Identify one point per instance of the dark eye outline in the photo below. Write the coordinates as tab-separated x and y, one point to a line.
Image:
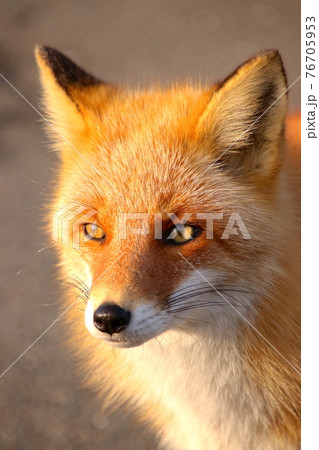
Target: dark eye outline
196	231
92	238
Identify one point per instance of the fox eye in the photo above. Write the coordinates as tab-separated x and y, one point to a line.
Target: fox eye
93	232
181	234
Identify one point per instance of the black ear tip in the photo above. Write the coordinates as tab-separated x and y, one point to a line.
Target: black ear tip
64	69
46	52
53	57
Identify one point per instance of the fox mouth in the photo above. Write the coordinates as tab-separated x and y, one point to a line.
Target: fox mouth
121	342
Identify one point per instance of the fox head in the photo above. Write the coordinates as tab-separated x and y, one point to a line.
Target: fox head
165	205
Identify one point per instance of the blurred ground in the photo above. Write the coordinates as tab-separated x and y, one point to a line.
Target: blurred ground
42	404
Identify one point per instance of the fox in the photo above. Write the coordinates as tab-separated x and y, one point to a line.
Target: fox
193	320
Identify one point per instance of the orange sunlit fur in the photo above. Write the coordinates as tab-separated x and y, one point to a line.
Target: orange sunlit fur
163	150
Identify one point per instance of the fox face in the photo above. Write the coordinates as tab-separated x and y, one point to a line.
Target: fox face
170	195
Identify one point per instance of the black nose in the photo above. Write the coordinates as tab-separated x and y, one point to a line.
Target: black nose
110	318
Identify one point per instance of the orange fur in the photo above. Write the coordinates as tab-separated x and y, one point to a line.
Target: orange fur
167	150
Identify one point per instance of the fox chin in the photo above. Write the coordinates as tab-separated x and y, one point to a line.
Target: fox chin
175	217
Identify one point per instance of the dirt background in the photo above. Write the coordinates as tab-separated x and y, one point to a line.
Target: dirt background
41	401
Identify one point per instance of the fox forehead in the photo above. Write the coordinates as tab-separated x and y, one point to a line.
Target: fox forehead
156	106
142	146
155	181
151	128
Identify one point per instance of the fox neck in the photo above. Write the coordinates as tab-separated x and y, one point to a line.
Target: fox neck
192	374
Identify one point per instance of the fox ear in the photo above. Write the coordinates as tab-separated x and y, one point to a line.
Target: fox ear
70	94
244	119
